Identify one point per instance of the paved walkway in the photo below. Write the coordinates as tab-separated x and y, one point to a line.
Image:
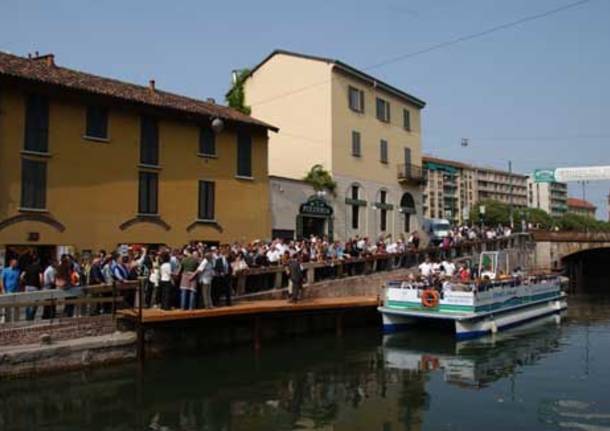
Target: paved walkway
253	308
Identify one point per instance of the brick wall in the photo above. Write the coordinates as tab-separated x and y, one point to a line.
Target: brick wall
58	329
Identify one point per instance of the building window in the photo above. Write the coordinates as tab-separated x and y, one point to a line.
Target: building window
383	151
206	200
244	155
37	124
383	212
356	99
383	110
33	184
207	142
148	193
406	119
355	208
356	144
149	141
97	122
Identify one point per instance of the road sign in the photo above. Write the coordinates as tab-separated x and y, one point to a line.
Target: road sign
544	175
584	173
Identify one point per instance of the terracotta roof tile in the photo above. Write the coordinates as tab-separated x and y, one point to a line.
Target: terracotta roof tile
580	203
42	69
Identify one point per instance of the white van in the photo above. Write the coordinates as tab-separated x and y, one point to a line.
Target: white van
436	229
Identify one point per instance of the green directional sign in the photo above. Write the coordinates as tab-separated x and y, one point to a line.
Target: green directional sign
544	175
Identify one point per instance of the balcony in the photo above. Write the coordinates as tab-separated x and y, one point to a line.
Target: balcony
411	174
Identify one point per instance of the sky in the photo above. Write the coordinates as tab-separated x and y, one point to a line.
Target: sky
537	93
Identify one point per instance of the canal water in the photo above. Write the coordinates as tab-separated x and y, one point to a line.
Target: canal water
547	376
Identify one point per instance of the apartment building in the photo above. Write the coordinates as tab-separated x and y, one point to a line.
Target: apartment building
453	188
450	189
366	132
88	162
581	207
550	197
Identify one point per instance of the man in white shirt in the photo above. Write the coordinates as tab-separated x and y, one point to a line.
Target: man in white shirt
205	271
48	282
449	268
425	268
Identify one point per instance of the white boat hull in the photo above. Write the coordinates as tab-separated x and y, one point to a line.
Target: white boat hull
468	327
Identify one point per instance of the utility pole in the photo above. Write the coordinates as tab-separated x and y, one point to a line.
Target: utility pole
510	178
584	185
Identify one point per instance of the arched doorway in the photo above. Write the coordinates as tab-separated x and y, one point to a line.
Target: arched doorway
407	208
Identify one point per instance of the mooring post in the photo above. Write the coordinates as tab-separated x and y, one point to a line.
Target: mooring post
139	326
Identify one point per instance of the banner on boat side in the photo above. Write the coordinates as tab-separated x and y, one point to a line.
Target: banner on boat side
585	173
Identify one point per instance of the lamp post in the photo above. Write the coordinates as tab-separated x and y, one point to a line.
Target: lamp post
510	197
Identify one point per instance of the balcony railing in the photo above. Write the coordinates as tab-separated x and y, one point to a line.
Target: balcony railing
413	174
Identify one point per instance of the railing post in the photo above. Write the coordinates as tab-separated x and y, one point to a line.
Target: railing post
278	279
241	283
311	275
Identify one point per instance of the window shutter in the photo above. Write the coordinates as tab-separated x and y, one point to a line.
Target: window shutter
407	119
361	101
210	200
383	151
97	122
356	144
36	124
154	193
207	141
148	193
244	155
33	184
206	200
142	199
149	141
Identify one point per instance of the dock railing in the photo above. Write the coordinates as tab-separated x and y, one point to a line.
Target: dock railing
48	305
251	281
106	299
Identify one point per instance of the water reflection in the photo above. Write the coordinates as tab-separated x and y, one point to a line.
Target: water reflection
474	363
545	376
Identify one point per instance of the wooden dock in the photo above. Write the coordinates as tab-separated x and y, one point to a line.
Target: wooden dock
252	309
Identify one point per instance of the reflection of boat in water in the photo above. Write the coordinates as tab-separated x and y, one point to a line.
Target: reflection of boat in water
574	414
473	363
495	302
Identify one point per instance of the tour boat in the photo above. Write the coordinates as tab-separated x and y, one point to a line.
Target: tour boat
494	302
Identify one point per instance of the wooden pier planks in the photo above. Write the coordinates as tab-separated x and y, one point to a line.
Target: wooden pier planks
253	308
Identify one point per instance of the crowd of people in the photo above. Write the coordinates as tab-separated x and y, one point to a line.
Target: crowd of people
203	276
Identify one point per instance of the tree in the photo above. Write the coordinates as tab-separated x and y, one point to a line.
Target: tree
581	223
538	217
236	97
495	213
320	179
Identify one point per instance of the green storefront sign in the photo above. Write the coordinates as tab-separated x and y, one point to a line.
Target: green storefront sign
544	175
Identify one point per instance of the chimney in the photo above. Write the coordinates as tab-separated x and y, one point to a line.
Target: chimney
151	85
234	76
49	59
211	100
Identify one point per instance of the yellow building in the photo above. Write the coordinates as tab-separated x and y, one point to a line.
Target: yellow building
88	162
365	132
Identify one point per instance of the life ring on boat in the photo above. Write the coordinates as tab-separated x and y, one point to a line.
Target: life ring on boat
429	363
430	298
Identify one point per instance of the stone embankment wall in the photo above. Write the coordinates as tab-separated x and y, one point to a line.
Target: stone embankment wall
62	344
65	355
